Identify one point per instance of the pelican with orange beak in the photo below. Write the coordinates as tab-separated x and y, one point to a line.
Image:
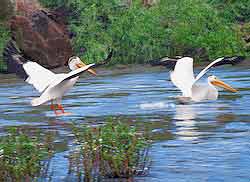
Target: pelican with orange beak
53	86
182	76
75	63
209	91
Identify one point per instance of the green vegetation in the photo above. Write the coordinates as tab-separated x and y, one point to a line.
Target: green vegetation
22	157
138	34
235	11
195	24
133	32
201	29
6	10
112	150
4	38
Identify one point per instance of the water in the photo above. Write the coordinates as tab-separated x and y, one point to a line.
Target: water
206	141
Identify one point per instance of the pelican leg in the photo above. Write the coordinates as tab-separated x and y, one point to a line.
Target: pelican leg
61	108
52	107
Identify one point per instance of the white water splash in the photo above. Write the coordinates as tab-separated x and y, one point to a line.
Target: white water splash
156	105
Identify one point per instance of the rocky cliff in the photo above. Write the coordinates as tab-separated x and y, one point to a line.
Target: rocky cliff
39	34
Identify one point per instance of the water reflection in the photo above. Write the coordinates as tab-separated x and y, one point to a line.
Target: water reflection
185	116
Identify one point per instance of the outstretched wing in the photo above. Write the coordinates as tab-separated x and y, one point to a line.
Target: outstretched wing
183	76
81	70
218	62
38	76
181	71
77	72
61	78
165	61
30	71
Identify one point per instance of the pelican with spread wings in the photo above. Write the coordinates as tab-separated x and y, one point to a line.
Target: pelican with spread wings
53	86
182	76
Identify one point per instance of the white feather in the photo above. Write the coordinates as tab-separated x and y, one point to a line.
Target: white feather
61	84
183	75
183	78
70	74
204	92
206	69
39	76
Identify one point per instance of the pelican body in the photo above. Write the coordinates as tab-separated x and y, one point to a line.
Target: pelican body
182	76
53	86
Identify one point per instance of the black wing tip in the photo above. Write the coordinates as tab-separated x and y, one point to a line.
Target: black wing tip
168	62
234	59
110	55
107	60
14	59
155	62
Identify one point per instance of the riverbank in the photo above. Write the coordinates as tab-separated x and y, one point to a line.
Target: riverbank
140	68
120	69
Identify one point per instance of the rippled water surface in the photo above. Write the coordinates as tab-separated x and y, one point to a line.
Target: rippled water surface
206	141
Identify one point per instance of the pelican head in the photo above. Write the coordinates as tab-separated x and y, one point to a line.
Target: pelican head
75	63
216	82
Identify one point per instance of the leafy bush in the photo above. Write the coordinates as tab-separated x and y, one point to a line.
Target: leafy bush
52	3
245	31
113	150
233	10
6	10
134	32
21	157
4	37
195	24
138	34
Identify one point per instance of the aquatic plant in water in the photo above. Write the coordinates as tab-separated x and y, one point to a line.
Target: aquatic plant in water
111	150
22	157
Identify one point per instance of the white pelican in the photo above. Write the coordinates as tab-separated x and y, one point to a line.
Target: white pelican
182	76
53	86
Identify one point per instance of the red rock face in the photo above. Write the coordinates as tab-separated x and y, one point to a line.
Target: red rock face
40	37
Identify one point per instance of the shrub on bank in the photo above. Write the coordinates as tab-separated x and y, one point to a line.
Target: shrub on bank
138	34
195	25
235	11
4	38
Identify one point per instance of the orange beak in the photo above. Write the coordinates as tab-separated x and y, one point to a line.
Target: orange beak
221	84
79	65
